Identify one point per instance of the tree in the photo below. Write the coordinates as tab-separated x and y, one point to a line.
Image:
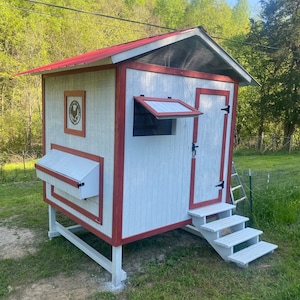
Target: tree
213	15
281	29
171	12
240	18
33	34
257	111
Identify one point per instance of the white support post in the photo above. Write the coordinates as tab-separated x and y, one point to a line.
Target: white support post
117	272
52	223
113	266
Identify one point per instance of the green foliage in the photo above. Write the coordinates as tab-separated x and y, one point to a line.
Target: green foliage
276	66
16	172
171	12
190	268
277	206
275	188
32	35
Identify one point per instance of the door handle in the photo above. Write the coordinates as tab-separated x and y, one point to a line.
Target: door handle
194	149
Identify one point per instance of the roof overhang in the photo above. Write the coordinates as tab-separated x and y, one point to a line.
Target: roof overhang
204	55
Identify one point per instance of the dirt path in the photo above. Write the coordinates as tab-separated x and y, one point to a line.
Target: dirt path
17	242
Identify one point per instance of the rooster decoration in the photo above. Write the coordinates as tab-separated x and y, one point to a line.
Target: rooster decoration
74	112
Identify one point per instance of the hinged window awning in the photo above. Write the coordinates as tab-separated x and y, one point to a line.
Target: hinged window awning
165	108
75	175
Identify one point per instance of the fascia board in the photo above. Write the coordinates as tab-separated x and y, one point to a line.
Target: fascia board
152	46
227	58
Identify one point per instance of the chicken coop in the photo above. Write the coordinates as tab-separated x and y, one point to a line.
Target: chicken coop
138	138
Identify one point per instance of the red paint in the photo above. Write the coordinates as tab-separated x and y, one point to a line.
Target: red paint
205	203
76	207
43	116
78	153
199	92
118	187
100	54
66	112
225	122
192	188
118	184
61	177
79	71
156	231
100	160
232	132
178	72
191	113
79	221
120	139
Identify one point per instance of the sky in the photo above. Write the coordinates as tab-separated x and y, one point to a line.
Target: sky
254	5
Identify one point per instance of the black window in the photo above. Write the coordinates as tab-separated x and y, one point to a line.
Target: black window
145	123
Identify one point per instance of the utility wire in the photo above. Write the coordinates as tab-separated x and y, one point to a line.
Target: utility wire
138	22
252	44
58	16
99	15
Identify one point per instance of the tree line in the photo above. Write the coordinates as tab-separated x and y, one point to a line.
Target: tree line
34	33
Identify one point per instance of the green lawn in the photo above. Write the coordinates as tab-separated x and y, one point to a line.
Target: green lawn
194	272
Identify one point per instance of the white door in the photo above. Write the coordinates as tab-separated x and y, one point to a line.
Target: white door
209	145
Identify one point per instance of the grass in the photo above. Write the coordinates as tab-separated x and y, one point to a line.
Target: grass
194	272
15	172
275	187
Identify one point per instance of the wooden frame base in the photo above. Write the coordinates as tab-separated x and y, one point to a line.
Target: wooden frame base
113	266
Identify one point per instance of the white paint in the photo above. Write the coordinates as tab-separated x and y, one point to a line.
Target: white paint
113	266
82	170
152	46
158	168
99	139
172	107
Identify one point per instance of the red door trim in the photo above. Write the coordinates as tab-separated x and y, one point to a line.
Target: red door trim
199	92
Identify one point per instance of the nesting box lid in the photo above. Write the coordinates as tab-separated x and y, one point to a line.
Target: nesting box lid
62	170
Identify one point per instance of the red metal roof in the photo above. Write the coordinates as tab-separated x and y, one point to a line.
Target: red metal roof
100	54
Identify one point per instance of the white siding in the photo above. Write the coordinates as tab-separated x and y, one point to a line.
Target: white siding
158	168
99	140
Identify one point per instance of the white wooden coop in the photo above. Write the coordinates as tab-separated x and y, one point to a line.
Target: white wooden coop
138	140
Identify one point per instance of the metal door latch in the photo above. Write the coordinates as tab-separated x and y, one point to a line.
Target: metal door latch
221	185
194	149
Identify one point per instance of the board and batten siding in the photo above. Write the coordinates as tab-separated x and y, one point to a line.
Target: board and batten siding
99	140
157	169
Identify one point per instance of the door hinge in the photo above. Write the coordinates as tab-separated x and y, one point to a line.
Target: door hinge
227	109
221	185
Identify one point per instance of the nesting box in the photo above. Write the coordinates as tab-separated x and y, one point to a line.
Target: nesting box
136	135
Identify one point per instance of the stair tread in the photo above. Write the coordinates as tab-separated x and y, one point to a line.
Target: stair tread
211	209
238	237
224	223
251	253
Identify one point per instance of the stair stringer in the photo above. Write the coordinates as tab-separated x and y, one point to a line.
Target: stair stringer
212	236
228	234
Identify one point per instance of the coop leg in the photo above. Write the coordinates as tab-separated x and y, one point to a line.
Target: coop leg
52	223
117	272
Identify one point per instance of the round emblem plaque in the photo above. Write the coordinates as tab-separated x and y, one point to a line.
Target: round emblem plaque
74	112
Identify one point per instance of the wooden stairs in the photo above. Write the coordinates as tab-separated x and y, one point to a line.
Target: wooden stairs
228	234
